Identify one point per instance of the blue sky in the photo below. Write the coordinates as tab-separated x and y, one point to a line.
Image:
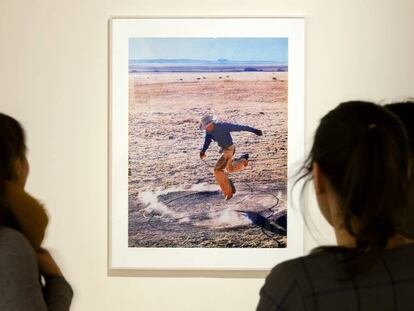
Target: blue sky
242	49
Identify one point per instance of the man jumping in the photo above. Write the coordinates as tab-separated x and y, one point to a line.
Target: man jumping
220	132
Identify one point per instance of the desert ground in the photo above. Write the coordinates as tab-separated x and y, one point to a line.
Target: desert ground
174	200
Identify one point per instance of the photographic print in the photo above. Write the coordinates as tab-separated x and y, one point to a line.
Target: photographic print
225	98
206	120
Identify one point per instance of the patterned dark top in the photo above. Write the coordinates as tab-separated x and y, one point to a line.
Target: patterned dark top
317	282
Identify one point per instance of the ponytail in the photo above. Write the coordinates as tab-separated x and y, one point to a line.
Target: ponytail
404	110
374	185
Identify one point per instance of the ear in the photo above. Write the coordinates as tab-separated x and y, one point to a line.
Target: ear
18	168
21	171
318	178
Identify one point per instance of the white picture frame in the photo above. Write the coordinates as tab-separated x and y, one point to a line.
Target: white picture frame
121	29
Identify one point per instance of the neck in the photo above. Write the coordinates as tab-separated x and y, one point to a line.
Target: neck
345	239
17	184
398	240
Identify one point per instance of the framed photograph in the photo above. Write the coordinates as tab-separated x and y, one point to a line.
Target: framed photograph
207	123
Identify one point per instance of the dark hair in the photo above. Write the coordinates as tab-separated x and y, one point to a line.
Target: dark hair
12	147
362	150
405	112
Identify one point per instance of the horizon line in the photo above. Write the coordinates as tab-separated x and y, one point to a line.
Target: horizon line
206	60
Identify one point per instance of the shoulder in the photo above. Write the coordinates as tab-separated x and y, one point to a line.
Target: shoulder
281	289
285	273
12	237
15	249
18	265
321	266
290	282
295	266
19	273
18	258
226	125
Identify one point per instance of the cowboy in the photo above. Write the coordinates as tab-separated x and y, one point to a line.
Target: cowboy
220	132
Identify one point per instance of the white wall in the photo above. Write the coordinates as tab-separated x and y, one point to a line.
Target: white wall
53	77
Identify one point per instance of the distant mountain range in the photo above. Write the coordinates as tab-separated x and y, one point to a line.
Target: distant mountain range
195	65
220	61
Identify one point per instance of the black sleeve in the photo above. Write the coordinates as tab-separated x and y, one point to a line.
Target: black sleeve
280	292
58	294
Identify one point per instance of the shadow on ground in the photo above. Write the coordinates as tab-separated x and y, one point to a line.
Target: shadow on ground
201	218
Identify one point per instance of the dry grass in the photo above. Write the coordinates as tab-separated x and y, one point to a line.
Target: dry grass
164	143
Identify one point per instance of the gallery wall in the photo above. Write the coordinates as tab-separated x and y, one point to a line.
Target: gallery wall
54	79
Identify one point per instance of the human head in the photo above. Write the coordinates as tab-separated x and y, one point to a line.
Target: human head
206	122
210	127
361	150
13	162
